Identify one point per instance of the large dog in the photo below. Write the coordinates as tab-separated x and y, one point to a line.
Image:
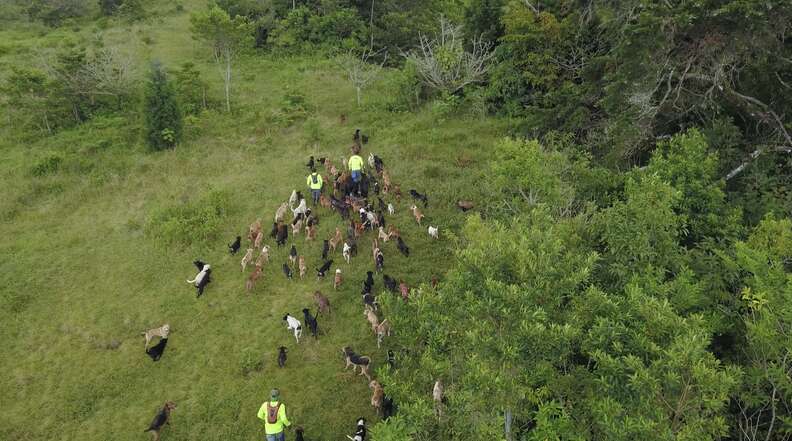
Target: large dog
161	419
202	278
310	320
360	431
161	332
294	325
355	360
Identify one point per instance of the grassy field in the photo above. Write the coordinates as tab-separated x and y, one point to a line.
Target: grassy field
84	267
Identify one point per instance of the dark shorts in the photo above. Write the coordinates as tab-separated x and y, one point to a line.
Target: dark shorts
277	437
356	175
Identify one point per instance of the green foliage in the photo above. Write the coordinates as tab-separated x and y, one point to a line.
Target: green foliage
109	7
55	12
483	18
190	223
191	89
161	111
132	10
47	165
305	30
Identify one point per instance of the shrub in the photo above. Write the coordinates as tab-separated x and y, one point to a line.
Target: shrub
193	222
47	165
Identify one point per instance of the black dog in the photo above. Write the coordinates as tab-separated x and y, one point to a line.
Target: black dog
234	247
360	432
370	300
282	356
403	248
388	408
202	278
380	263
421	197
369	282
391	359
311	322
155	352
381	219
378	164
320	273
325	249
274	232
298	434
390	283
293	253
287	271
283	235
310	163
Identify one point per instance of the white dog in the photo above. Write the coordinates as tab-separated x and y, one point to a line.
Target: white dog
347	252
301	208
293	198
433	231
292	324
391	209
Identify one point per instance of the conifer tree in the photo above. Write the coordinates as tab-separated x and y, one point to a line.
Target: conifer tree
162	114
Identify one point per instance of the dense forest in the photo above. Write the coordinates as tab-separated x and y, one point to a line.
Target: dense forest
626	273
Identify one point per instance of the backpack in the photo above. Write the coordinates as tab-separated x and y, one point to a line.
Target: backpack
314	178
272	413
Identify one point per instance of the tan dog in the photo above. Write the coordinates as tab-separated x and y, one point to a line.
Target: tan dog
259	239
437	396
355	360
296	227
397	193
375	250
386	182
383	235
322	302
251	281
279	215
335	240
161	332
417	214
263	256
310	232
383	330
337	281
377	395
372	318
393	231
301	265
248	257
324	201
254	230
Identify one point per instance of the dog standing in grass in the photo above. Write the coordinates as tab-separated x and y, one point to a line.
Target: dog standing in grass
161	419
161	332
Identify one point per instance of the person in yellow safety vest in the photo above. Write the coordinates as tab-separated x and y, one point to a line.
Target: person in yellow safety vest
314	182
273	413
356	167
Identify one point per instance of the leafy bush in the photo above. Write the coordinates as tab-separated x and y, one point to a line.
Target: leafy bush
192	222
47	165
304	30
162	113
250	362
55	12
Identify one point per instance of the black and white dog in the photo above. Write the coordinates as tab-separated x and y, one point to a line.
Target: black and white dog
360	433
310	320
234	247
202	278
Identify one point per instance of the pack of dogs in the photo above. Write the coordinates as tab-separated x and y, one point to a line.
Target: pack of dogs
347	196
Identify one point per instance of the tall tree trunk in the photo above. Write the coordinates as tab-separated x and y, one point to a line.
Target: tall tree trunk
294	5
371	26
228	83
507	423
357	89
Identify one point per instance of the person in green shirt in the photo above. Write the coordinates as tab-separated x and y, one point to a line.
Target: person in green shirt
273	413
314	182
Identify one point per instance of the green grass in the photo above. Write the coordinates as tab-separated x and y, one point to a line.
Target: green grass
80	268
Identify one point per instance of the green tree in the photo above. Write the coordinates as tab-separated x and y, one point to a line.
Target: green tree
161	109
191	89
54	12
226	36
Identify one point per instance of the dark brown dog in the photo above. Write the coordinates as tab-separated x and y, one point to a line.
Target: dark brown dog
161	419
322	302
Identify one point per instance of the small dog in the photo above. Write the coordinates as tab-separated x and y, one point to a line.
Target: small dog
301	266
324	201
310	320
156	351
282	356
282	236
393	232
320	272
335	240
437	396
403	248
379	261
417	214
383	235
405	291
390	283
322	303
376	396
360	432
337	281
161	419
383	330
369	282
418	196
251	281
293	255
254	229
287	271
263	256
202	278
372	318
293	198
246	260
298	434
259	239
234	247
381	204
302	208
161	332
355	360
433	232
310	232
297	226
369	301
325	249
274	232
386	182
347	252
391	209
397	193
464	205
281	213
292	324
391	359
433	282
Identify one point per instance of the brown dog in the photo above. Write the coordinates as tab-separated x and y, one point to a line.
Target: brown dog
397	193
251	281
248	257
386	182
310	232
355	360
259	239
322	302
371	317
393	231
161	419
337	281
405	291
335	240
254	230
301	265
377	395
161	332
417	214
324	201
383	330
263	257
